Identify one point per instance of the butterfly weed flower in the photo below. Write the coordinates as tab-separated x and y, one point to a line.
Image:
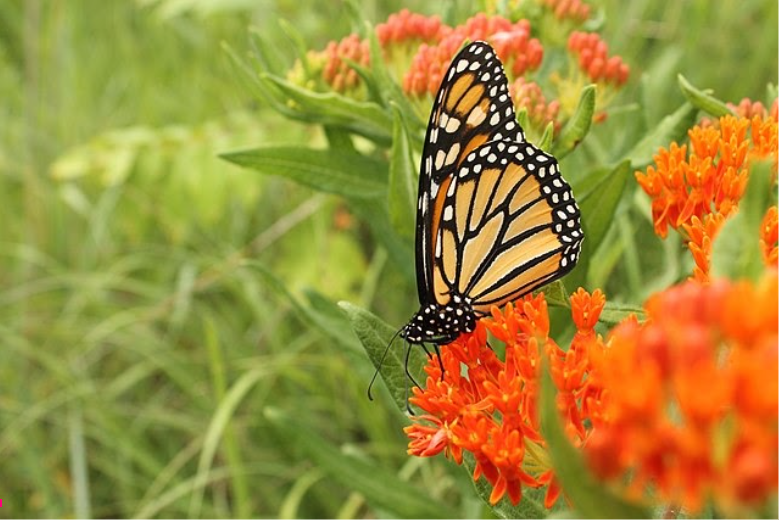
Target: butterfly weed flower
768	237
488	406
512	41
686	408
590	64
410	28
695	188
528	95
575	10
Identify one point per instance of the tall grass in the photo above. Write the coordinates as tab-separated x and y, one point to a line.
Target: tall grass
153	299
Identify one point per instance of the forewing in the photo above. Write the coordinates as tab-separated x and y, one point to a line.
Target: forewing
471	108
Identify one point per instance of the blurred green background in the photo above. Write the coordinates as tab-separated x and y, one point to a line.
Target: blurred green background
153	298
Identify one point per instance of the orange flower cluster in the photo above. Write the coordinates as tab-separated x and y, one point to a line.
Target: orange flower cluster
512	41
337	72
696	192
569	9
528	95
490	409
410	27
748	109
593	60
687	402
768	237
684	405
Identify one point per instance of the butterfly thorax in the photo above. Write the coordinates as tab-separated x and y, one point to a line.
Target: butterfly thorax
440	324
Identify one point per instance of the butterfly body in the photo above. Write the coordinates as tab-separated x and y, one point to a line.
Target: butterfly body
495	218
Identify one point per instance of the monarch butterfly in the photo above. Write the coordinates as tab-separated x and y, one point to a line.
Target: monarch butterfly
495	218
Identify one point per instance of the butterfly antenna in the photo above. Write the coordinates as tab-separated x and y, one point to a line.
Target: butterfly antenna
382	360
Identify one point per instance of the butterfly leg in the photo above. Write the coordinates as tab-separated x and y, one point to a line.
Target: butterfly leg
439	359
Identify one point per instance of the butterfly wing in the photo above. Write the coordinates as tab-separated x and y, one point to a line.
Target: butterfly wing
509	225
472	107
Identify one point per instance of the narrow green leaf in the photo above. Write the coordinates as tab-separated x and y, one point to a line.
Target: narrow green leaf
736	251
299	44
613	313
504	509
381	488
375	335
364	118
332	171
589	497
320	313
672	128
599	204
265	53
402	180
702	100
579	124
547	138
523	118
772	94
389	90
556	294
339	139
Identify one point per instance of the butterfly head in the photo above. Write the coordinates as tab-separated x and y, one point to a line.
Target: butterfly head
440	324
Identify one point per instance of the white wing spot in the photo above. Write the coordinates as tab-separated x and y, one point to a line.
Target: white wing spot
462	65
495	119
448	213
476	117
440	160
452	125
452	155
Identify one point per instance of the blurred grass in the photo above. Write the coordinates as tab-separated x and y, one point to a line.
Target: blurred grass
153	301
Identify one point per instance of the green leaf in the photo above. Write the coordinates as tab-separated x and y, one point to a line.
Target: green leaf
702	100
402	181
587	495
504	509
390	92
556	294
332	171
672	128
375	335
381	488
329	108
320	313
736	252
546	140
613	313
599	202
579	124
